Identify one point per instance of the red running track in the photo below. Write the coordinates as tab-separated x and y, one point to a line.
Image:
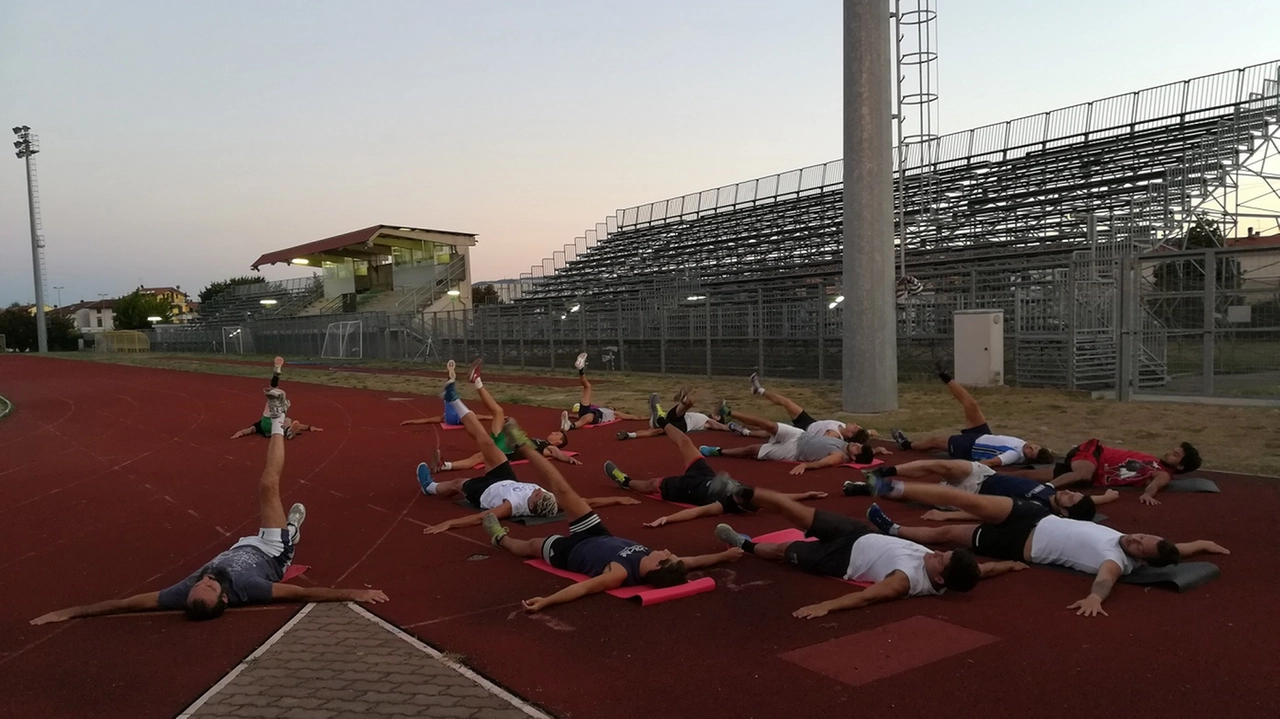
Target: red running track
462	370
118	479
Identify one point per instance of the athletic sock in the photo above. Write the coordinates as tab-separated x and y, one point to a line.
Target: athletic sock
582	372
479	383
626	482
889	471
748	546
632	435
896	489
459	409
445	466
277	425
431	488
275	380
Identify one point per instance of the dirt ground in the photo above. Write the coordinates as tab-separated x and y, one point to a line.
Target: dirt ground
1238	439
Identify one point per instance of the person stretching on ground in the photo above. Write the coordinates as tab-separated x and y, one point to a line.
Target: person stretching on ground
849	431
978	478
711	493
250	571
263	425
608	561
684	419
976	442
1018	529
499	491
447	418
849	549
792	444
1092	463
586	412
550	447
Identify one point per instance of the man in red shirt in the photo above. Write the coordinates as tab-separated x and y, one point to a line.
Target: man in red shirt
1110	467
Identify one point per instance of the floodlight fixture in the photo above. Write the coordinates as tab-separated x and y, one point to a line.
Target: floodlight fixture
267	302
300	261
154	318
453	293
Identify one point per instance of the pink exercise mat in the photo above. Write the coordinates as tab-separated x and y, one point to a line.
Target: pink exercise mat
644	594
525	461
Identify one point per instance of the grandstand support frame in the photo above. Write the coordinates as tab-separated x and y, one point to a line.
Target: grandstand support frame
915	37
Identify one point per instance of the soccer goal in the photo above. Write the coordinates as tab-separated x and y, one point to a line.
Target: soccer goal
344	340
233	340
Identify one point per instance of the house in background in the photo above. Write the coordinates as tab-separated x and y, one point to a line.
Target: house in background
177	299
97	316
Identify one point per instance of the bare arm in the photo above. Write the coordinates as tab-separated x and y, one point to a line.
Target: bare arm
422	420
1106	497
992	462
1190	549
1081	473
1103	583
894	586
834	459
732	554
802	496
612	578
594	502
289	593
1156	484
942	515
502	511
137	603
995	569
243	433
684	515
556	454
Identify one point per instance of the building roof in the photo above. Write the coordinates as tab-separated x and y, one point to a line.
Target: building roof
1255	241
158	290
82	305
356	238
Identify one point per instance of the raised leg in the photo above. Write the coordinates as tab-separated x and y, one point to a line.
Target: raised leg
497	415
751	420
987	507
960	535
586	389
688	450
574	506
270	509
951	470
972	412
527	548
493	456
794	512
793	410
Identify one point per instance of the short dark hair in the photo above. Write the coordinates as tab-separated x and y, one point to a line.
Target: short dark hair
564	440
199	610
1166	553
668	574
1084	510
866	455
862	435
1044	456
1190	459
961	573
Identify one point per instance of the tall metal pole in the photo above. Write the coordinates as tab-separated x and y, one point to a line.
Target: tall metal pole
870	363
26	148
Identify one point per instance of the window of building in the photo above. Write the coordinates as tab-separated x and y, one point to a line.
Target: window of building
99	320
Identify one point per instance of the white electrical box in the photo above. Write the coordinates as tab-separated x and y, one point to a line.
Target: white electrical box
979	347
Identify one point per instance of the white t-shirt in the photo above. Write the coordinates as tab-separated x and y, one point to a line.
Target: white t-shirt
876	556
823	426
1008	449
517	493
1083	546
695	421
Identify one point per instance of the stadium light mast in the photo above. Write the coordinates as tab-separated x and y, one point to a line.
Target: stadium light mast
870	361
28	145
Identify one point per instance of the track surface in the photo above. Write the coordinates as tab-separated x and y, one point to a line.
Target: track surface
437	374
118	479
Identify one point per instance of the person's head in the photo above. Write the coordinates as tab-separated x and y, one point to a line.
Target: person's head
860	452
208	596
558	439
1155	551
956	570
662	568
859	434
1074	505
743	496
1182	459
1036	454
543	503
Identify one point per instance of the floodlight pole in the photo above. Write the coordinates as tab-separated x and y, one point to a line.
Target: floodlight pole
870	362
27	145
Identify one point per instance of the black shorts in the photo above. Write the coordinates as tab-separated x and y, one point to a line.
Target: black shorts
594	411
472	489
557	548
677	422
829	556
803	420
960	446
1008	539
692	487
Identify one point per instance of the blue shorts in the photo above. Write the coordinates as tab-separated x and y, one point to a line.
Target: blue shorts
450	416
960	446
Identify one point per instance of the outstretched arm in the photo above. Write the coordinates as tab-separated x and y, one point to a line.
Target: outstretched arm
834	459
243	433
707	510
1081	473
732	554
289	593
1103	583
612	578
1156	484
894	586
137	603
502	511
944	515
595	502
995	569
556	454
1190	549
1106	497
802	496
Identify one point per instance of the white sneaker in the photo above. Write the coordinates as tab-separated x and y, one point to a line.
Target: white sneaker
297	514
581	362
277	403
452	367
565	424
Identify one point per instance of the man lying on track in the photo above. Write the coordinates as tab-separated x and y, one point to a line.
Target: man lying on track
263	425
801	419
550	447
711	493
978	478
608	561
683	418
1092	463
1018	529
976	442
587	413
846	548
499	491
792	444
250	571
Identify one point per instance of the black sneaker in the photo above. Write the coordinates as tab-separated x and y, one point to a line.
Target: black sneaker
900	438
618	476
856	489
942	372
623	436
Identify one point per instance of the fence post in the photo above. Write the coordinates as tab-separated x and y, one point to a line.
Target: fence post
1210	324
1071	325
620	360
662	341
822	331
466	335
760	331
707	300
553	323
502	358
520	321
1127	299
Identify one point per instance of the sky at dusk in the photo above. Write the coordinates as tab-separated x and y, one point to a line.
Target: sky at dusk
182	140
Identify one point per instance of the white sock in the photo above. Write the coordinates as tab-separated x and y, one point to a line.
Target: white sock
431	488
893	531
631	435
760	391
479	383
898	488
277	425
445	466
459	409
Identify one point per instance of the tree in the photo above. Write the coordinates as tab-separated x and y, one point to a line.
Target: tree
132	311
1180	283
216	288
485	295
19	329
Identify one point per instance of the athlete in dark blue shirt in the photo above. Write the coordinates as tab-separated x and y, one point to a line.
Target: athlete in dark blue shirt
609	562
977	478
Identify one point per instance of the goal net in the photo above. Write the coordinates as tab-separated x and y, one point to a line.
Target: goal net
343	340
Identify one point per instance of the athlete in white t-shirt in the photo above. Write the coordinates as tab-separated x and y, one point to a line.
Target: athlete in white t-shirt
587	413
976	442
1019	529
499	491
848	549
850	431
682	417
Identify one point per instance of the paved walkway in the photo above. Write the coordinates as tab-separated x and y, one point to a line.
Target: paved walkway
335	661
